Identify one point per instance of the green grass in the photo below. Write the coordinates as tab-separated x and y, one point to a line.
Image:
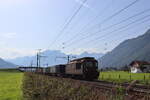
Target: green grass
9	70
121	76
10	85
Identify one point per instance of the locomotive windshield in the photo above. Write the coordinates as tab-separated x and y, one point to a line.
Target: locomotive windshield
91	64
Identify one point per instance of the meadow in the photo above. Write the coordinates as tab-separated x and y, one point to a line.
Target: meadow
35	87
10	84
122	76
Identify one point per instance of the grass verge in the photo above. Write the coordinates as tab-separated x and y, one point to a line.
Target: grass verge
121	76
10	85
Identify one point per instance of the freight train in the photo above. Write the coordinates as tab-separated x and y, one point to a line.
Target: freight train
83	68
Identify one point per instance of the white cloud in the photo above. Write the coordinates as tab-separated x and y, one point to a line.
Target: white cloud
8	35
10	53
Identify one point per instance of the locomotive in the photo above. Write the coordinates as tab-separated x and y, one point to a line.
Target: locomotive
83	68
86	68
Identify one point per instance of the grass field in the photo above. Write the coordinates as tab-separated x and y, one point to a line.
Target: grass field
10	85
11	80
121	76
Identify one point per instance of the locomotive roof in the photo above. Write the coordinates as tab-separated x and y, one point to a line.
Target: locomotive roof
57	65
84	58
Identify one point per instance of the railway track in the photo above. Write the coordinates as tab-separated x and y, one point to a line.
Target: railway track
110	86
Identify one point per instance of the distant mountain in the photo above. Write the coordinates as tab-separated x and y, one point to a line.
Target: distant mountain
5	64
86	54
129	50
53	58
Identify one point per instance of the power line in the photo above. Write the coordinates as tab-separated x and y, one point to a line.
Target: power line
111	26
124	30
68	57
130	28
99	14
68	23
95	39
115	14
120	11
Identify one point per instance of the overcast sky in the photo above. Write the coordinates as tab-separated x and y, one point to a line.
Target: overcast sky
27	25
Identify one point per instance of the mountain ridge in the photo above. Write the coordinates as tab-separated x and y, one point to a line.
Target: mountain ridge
51	59
132	49
5	64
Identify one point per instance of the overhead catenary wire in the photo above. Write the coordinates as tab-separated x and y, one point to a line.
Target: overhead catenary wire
115	14
67	24
111	26
95	46
120	11
82	29
100	37
138	24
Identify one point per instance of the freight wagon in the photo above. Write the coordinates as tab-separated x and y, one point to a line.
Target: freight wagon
57	70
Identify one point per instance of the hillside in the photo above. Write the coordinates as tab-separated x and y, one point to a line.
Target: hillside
129	50
51	59
5	64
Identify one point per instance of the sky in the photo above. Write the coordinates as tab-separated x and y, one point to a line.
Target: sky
28	25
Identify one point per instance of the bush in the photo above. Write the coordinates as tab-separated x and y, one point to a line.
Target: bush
41	87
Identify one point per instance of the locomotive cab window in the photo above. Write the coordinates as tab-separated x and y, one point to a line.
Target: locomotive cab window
89	64
78	66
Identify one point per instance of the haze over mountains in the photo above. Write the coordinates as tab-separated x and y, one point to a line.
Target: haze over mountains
5	64
53	57
129	50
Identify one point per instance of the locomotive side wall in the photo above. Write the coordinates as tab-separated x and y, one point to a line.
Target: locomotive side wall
71	69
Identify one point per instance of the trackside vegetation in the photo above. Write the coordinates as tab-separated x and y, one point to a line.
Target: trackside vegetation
10	84
15	85
42	87
122	76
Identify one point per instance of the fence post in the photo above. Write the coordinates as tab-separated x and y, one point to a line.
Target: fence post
130	77
144	77
119	76
149	78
